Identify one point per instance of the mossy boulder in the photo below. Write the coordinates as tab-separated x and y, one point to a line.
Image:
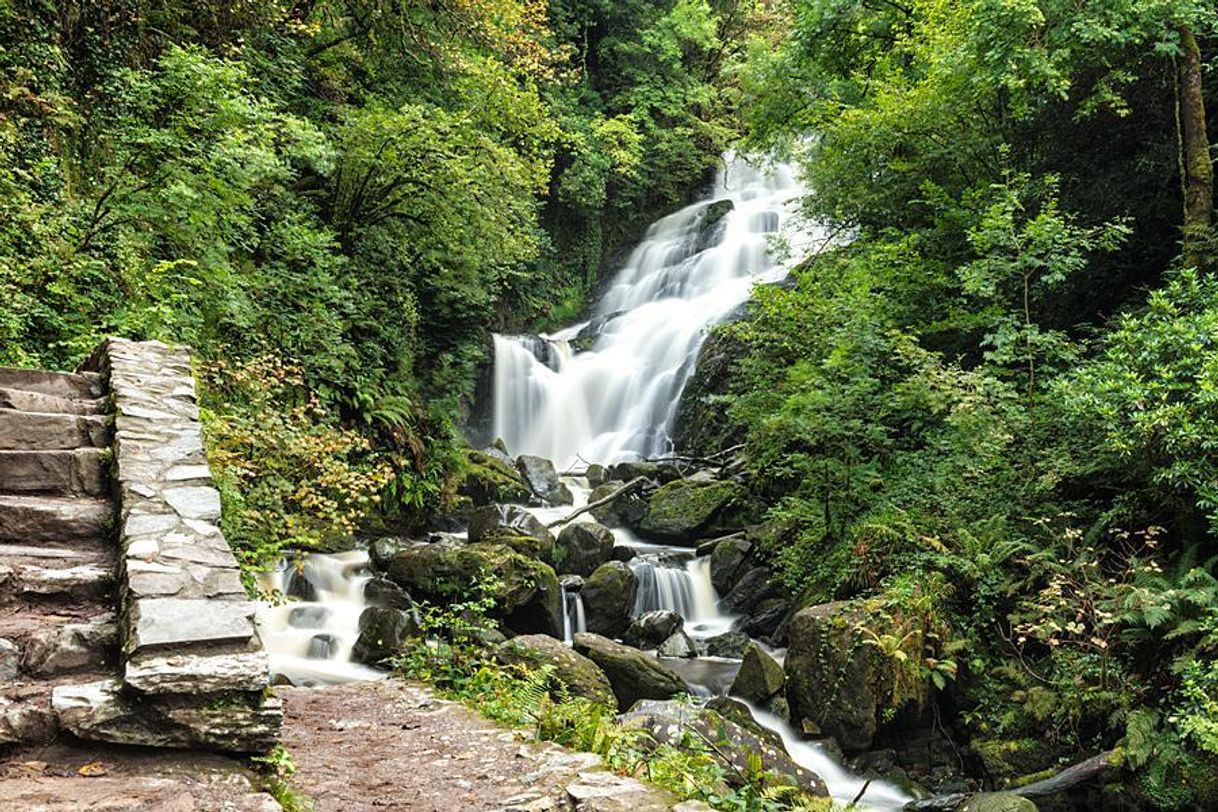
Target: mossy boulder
608	595
838	682
650	629
382	631
633	674
513	526
528	599
627	510
581	677
684	511
679	645
581	547
728	561
543	480
996	802
1007	760
486	479
729	644
760	677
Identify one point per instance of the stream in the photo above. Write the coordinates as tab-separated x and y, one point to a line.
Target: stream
615	399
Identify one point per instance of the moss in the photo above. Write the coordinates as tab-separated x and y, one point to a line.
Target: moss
485	479
685	510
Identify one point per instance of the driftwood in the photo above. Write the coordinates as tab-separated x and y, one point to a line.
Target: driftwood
713	459
629	486
1096	767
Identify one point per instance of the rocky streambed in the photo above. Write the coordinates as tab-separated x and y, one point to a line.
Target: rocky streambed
636	584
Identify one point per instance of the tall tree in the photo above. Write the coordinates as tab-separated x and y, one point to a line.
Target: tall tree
1196	167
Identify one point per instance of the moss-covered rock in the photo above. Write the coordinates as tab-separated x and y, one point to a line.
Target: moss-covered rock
633	674
512	526
485	479
581	547
626	510
650	629
760	676
543	480
996	802
381	634
684	511
728	561
526	593
608	595
582	677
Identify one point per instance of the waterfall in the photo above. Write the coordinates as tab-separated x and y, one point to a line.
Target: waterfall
573	622
617	400
677	581
310	626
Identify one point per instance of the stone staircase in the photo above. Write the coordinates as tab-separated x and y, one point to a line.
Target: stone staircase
122	614
57	545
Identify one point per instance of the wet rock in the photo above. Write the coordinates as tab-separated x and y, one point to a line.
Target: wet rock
650	629
582	677
381	551
608	595
997	802
728	644
633	674
596	475
10	659
834	679
381	634
738	712
756	585
308	617
674	723
767	617
658	472
685	511
678	645
526	593
760	677
543	480
489	478
727	563
514	527
626	510
623	553
380	591
582	547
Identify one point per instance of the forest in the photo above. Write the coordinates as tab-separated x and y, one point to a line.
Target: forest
986	404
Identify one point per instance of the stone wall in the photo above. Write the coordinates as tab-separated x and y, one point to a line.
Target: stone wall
194	672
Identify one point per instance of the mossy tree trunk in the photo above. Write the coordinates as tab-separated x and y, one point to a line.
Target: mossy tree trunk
1196	166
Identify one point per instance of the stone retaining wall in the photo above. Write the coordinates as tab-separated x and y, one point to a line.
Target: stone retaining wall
194	672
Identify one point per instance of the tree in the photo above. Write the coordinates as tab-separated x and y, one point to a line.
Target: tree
1196	167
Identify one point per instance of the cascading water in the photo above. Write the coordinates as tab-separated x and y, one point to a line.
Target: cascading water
573	621
673	578
617	400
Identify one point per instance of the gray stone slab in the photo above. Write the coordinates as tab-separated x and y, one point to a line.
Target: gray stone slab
85	385
35	519
184	673
179	623
62	649
75	472
38	431
25	401
194	502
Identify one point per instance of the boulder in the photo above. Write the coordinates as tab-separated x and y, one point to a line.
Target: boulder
608	595
756	585
543	480
658	472
835	680
678	645
380	591
675	723
382	550
486	478
738	712
760	677
684	511
581	677
596	475
623	553
767	617
729	644
10	660
382	631
582	547
650	629
525	591
626	510
633	674
727	563
513	526
996	802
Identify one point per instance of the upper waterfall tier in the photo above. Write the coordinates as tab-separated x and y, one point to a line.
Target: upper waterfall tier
617	399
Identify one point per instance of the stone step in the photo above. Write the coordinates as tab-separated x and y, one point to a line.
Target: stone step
24	401
26	716
32	520
59	646
81	385
28	582
50	431
76	472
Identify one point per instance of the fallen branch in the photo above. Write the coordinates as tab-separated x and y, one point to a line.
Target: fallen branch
713	459
1071	777
629	486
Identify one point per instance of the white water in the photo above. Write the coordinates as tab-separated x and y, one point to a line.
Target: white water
676	580
311	620
617	400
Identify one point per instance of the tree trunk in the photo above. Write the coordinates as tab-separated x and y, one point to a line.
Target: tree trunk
1196	166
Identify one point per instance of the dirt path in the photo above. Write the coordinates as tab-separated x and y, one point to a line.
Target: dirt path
394	746
369	747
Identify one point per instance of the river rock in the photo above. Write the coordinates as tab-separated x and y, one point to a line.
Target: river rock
684	511
596	475
755	586
727	563
996	802
650	629
608	595
543	480
489	478
513	526
526	593
633	674
582	677
729	644
678	645
382	550
760	677
582	547
655	471
674	723
834	679
382	631
626	510
738	712
767	617
380	591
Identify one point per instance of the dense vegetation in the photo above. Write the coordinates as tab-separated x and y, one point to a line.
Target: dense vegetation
989	403
331	201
